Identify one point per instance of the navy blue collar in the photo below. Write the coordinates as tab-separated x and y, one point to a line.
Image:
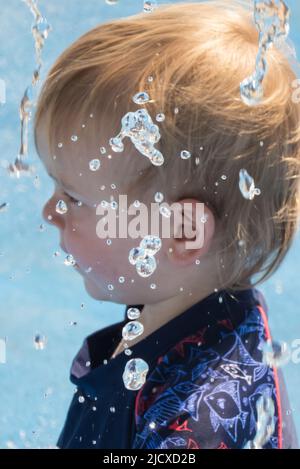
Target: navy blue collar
93	369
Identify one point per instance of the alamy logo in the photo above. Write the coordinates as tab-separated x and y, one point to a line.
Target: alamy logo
183	220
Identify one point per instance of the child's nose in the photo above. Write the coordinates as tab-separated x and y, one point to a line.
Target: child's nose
50	214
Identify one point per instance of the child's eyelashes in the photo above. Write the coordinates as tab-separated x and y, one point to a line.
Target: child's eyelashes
73	200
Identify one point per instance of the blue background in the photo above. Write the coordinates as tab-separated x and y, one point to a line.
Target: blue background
38	293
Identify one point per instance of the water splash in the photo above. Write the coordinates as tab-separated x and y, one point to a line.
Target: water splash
143	256
132	330
151	245
271	18
185	155
247	185
139	127
276	354
265	425
133	313
94	164
40	30
135	373
69	260
149	6
61	207
141	98
158	197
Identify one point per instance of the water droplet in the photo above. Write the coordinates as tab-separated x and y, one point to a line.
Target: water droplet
185	154
132	330
69	260
151	245
276	354
135	254
265	425
272	22
150	79
145	267
4	206
247	185
94	164
110	287
121	279
135	373
81	399
108	242
165	211
112	409
224	177
150	5
141	98
159	197
116	144
139	127
39	342
74	138
127	351
153	286
157	158
160	117
61	207
133	313
114	205
60	145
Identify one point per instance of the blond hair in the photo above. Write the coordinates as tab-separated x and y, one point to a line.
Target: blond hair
197	55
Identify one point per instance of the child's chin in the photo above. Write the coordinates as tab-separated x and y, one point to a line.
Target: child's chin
93	290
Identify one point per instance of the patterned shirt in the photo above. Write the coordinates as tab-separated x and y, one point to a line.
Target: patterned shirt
206	373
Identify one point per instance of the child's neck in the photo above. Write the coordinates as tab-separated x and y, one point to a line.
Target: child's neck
156	315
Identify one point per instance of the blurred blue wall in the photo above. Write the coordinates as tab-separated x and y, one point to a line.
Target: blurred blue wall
38	294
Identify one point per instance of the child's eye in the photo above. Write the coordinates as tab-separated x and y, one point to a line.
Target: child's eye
73	200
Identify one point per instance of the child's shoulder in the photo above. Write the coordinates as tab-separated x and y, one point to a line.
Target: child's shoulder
203	392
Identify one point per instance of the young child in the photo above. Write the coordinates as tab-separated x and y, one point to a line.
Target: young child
205	324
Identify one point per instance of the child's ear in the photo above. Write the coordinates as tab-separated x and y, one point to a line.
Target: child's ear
194	228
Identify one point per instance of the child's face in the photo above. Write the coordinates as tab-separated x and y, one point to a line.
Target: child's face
101	265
